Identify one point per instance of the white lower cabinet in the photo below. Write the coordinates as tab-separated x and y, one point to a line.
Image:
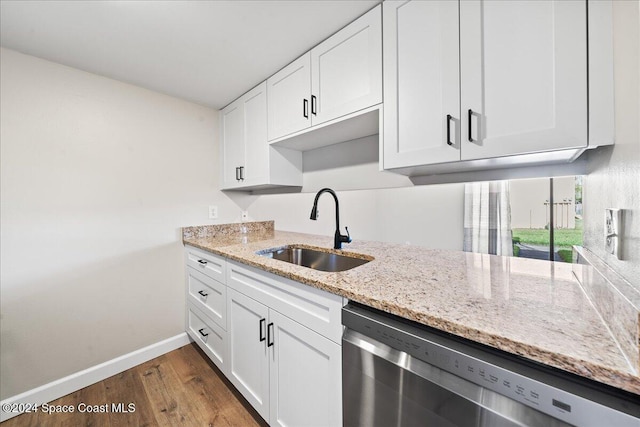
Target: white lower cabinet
206	303
209	336
248	364
278	341
285	353
305	372
290	374
208	295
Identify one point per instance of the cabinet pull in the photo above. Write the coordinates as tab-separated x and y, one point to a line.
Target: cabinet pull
449	129
313	105
241	173
269	335
305	108
203	293
237	174
469	117
262	322
202	333
202	262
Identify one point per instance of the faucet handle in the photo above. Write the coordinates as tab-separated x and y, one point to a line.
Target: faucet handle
348	236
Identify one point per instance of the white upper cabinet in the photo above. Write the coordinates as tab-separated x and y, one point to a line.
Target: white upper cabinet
248	162
523	69
289	98
256	165
474	80
346	70
422	85
340	76
232	136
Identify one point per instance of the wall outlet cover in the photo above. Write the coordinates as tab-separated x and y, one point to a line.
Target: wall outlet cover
613	231
213	212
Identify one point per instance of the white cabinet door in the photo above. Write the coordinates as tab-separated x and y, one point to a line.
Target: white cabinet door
422	86
256	156
346	69
247	366
306	380
524	76
232	135
244	140
289	98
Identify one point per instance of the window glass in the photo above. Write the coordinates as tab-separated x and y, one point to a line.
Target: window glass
537	218
529	218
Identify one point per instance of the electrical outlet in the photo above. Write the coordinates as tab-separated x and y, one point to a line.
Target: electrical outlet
245	215
213	212
613	231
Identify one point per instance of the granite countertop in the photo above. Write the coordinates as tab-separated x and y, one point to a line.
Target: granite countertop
532	308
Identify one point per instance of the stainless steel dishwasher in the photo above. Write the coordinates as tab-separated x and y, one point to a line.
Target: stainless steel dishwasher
399	373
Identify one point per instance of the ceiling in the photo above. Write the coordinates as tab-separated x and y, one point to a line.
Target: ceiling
208	52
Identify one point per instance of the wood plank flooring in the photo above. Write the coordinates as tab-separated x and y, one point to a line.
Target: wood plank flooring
180	388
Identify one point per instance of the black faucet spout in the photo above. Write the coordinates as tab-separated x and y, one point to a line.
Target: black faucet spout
338	238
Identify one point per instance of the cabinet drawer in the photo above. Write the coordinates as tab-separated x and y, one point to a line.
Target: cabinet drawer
318	310
208	295
211	338
205	262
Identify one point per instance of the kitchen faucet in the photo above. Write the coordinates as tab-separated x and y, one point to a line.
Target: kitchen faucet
338	238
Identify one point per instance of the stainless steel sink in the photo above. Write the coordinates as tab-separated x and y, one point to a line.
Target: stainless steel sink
311	258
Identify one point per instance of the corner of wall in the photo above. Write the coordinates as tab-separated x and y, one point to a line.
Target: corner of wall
613	180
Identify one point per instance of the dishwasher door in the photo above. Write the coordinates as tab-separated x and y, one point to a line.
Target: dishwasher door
386	387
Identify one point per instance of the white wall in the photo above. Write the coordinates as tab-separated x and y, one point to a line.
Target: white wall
351	165
375	205
97	176
614	173
429	216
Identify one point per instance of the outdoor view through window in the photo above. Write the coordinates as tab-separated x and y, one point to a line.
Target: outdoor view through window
531	218
535	214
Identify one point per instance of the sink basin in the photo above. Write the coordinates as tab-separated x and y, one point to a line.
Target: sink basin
315	259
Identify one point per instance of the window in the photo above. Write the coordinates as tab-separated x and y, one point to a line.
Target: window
541	217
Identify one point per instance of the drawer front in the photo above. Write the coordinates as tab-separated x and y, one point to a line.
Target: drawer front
210	296
316	309
205	262
211	338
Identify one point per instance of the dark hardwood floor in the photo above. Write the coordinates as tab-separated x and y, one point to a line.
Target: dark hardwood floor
180	388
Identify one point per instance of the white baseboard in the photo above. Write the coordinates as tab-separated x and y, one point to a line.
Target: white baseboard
82	379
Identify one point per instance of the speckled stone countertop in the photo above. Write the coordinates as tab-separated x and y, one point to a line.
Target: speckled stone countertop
536	309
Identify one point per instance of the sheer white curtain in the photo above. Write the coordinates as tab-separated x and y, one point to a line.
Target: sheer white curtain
487	218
